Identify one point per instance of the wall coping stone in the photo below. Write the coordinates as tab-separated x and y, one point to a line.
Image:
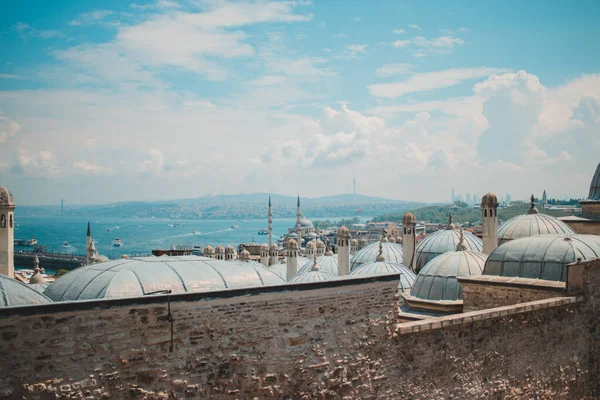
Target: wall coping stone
517	282
161	299
435	323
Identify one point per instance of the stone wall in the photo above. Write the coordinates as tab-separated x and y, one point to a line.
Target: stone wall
590	209
590	227
324	340
478	295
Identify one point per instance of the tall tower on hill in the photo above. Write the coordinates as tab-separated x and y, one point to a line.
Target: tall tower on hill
7	233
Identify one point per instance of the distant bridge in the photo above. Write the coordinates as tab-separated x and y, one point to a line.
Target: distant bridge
49	260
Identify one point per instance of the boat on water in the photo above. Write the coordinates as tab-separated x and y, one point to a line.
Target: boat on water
195	232
23	243
109	230
263	231
235	226
176	225
65	244
117	242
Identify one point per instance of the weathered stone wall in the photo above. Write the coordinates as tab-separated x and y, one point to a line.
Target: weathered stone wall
327	342
590	210
478	296
585	227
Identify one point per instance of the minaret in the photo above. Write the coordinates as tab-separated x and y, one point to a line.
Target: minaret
270	221
489	222
292	259
7	233
208	251
320	248
219	253
264	254
299	223
274	253
229	253
409	239
310	248
36	277
343	240
88	245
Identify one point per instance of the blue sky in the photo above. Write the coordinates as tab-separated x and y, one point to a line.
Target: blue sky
111	100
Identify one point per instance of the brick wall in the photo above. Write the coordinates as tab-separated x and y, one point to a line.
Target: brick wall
325	340
478	296
585	227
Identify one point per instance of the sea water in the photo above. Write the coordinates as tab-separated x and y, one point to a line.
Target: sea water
140	235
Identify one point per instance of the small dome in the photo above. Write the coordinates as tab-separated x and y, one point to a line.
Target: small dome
362	241
274	247
407	277
320	244
36	278
229	249
124	256
489	199
293	235
594	194
14	294
532	225
279	269
292	244
441	242
245	255
310	245
541	257
353	242
312	276
305	223
327	264
219	249
437	280
392	239
302	261
409	219
208	249
343	233
392	252
39	287
135	277
312	235
264	247
6	198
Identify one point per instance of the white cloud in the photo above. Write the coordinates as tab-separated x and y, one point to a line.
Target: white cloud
91	17
8	129
399	31
39	165
421	46
340	35
357	48
394	69
155	163
417	27
92	169
428	81
401	43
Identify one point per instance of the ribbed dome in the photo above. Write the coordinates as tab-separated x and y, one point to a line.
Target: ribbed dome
532	225
14	294
306	223
490	199
326	264
409	219
437	280
279	269
407	277
441	242
137	276
541	257
312	276
392	252
6	198
594	194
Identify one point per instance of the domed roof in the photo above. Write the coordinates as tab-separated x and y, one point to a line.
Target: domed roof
245	255
312	276
136	276
392	252
310	245
353	242
312	235
264	247
594	194
302	261
489	198
305	223
274	246
39	287
219	249
531	225
279	269
437	280
14	294
229	249
293	235
441	242
208	249
362	241
407	277
6	198
541	257
320	244
409	219
326	264
292	244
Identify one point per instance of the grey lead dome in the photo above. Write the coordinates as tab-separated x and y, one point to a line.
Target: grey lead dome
532	225
14	294
135	277
6	198
541	257
392	252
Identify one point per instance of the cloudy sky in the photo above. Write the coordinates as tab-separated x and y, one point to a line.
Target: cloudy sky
105	101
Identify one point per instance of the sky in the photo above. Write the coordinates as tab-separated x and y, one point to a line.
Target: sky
105	101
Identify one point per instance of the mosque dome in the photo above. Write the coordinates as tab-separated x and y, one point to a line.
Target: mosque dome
305	223
441	242
320	244
490	198
264	247
274	246
245	255
208	249
594	194
39	287
310	245
343	232
353	242
392	252
36	278
312	235
15	294
541	257
407	277
279	269
6	198
314	275
293	235
409	219
302	261
326	263
392	239
219	249
362	241
438	279
292	244
135	277
229	249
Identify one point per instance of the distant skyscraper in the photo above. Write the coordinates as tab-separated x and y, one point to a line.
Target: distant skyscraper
452	195
545	198
508	198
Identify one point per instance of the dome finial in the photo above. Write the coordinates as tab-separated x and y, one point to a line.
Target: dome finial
532	208
36	277
461	246
315	267
451	225
380	256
